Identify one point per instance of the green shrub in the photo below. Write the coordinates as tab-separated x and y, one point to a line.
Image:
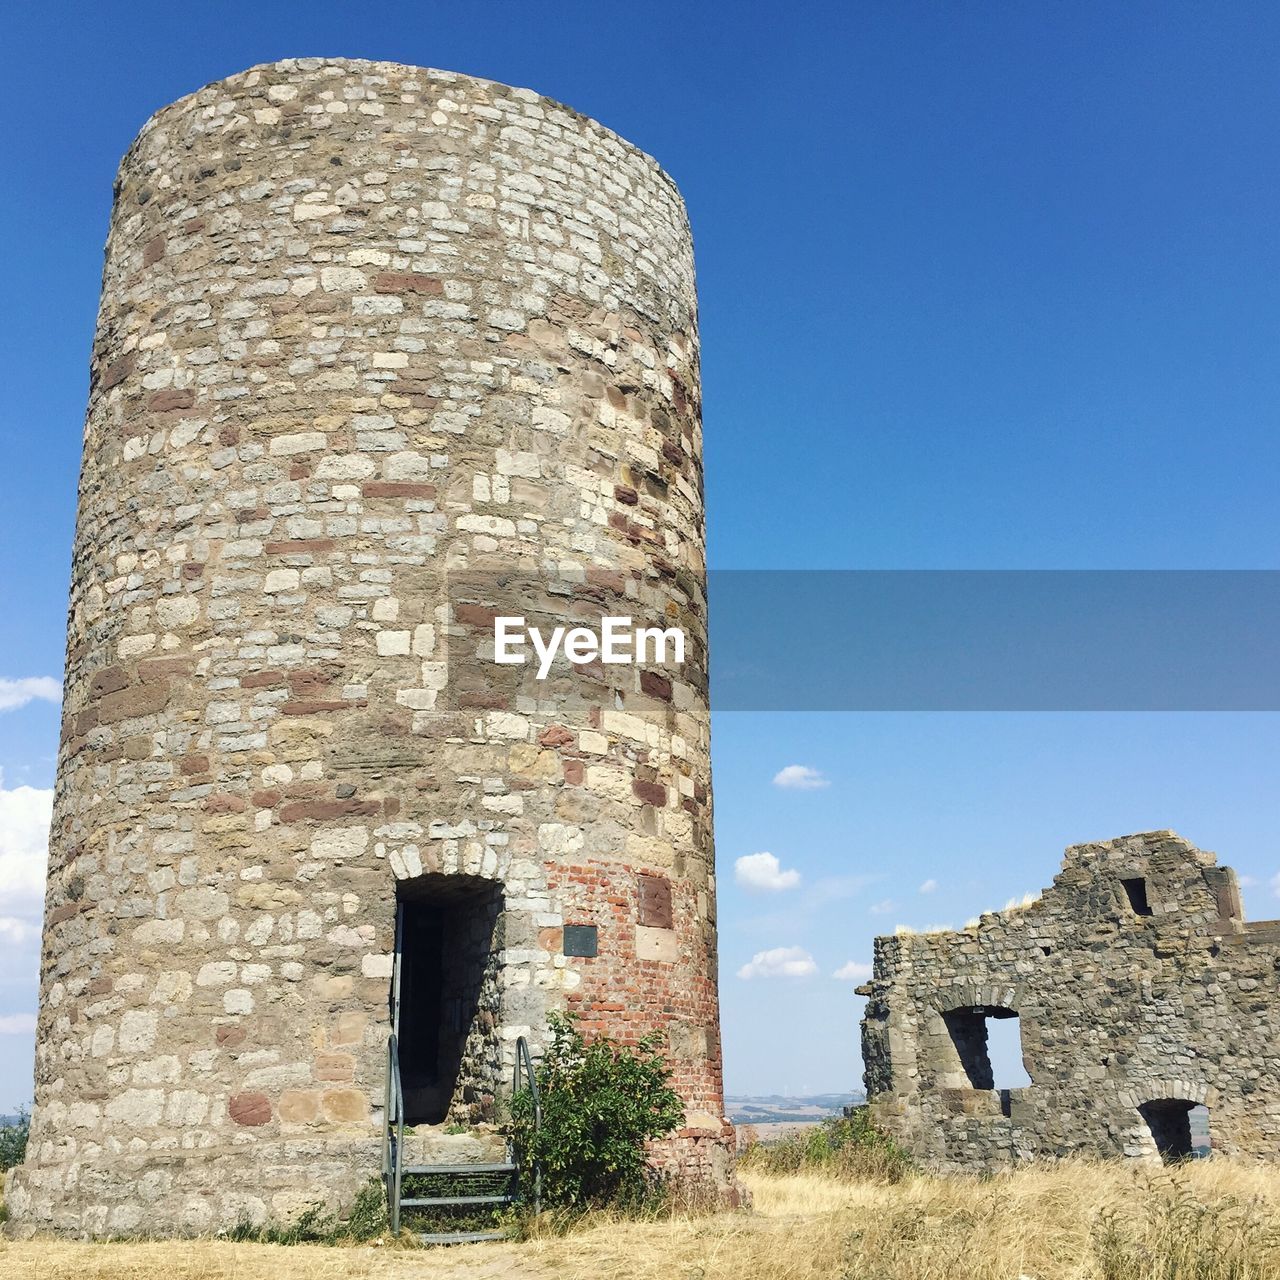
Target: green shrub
13	1141
601	1103
848	1146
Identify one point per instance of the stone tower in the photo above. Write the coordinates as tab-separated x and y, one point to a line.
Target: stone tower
368	331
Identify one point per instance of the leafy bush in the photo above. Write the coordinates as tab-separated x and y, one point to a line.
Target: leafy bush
13	1141
848	1146
601	1103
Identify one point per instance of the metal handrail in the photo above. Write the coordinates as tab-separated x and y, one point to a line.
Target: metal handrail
524	1077
524	1067
393	1136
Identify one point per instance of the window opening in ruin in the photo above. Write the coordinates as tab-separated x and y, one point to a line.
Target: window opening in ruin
446	959
988	1042
1179	1127
1136	891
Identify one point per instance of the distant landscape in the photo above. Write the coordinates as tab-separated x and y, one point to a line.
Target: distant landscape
773	1108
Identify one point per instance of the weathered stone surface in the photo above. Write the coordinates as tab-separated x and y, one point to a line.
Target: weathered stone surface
360	323
1139	989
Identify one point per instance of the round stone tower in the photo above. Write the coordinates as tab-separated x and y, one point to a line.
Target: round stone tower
376	346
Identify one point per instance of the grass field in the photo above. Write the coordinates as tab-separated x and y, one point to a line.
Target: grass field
1209	1220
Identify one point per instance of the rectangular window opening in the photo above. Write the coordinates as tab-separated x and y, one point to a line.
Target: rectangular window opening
988	1042
1136	891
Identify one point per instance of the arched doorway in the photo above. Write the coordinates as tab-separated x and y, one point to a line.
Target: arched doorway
444	993
1179	1127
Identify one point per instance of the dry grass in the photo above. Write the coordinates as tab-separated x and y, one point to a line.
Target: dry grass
1207	1221
1066	1222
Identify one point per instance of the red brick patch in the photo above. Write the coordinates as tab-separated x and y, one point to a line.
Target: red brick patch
223	803
130	703
655	686
117	371
653	793
262	680
475	615
326	810
250	1109
311	679
108	680
168	400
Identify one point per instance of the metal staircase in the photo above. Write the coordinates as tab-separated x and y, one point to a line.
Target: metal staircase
450	1192
456	1193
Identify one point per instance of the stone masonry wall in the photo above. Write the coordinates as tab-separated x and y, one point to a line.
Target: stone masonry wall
1127	996
363	327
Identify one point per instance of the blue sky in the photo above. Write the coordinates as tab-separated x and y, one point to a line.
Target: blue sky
982	287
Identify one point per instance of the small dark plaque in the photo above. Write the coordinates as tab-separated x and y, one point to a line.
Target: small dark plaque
655	902
580	940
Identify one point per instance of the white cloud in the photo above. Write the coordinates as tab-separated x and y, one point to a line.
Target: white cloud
799	777
17	693
929	885
17	1024
14	932
779	962
1275	884
762	873
853	971
24	844
1247	882
881	908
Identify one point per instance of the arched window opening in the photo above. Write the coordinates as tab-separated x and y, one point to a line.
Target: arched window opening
1179	1127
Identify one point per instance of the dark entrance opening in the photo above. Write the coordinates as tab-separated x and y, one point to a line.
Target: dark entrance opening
1180	1128
1136	891
446	970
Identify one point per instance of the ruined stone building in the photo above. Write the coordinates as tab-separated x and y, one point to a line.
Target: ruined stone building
1141	994
376	344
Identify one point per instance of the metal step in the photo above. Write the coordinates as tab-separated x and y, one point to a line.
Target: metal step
460	1237
420	1170
434	1202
